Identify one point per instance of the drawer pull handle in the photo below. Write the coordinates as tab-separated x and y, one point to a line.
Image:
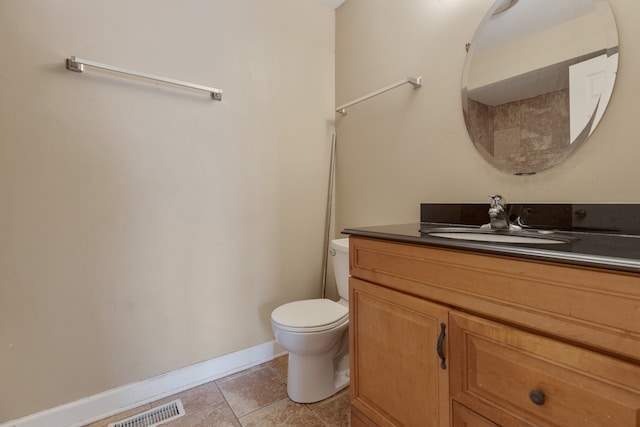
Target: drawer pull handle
443	365
537	397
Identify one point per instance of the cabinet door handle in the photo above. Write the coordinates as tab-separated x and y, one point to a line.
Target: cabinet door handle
443	364
537	397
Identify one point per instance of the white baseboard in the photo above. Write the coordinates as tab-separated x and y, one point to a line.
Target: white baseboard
114	401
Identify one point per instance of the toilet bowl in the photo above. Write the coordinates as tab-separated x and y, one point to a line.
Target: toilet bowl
315	332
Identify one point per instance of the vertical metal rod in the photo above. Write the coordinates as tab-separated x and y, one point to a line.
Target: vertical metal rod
327	220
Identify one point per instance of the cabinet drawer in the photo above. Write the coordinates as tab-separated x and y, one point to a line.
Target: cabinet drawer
463	417
499	371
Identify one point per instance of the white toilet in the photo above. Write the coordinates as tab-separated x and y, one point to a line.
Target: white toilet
315	332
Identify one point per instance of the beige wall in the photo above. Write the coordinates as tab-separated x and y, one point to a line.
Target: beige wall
144	228
410	146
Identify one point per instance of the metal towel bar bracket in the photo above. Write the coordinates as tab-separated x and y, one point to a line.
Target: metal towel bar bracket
415	81
77	65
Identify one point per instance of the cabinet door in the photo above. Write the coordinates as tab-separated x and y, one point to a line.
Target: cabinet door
359	420
397	375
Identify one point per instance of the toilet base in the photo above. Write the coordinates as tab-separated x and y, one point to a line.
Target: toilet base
314	378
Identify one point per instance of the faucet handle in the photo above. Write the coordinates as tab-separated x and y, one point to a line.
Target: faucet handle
496	201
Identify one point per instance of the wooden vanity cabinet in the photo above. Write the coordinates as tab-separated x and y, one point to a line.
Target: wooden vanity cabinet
526	343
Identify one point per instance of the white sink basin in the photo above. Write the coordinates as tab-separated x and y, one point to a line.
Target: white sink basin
535	238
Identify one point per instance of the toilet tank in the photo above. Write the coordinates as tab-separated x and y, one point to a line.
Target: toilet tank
340	256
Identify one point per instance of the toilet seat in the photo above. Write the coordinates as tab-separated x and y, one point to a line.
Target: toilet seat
313	315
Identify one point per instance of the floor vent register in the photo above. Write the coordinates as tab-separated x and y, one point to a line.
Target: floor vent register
154	416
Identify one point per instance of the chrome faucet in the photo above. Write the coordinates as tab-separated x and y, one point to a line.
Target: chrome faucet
498	217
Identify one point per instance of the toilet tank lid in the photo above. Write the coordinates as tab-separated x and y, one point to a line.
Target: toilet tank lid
310	313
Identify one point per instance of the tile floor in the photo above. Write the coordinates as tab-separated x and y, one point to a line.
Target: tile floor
256	397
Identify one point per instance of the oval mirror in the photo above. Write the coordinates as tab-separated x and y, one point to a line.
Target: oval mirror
537	80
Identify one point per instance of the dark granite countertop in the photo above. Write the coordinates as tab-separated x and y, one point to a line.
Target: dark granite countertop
593	249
